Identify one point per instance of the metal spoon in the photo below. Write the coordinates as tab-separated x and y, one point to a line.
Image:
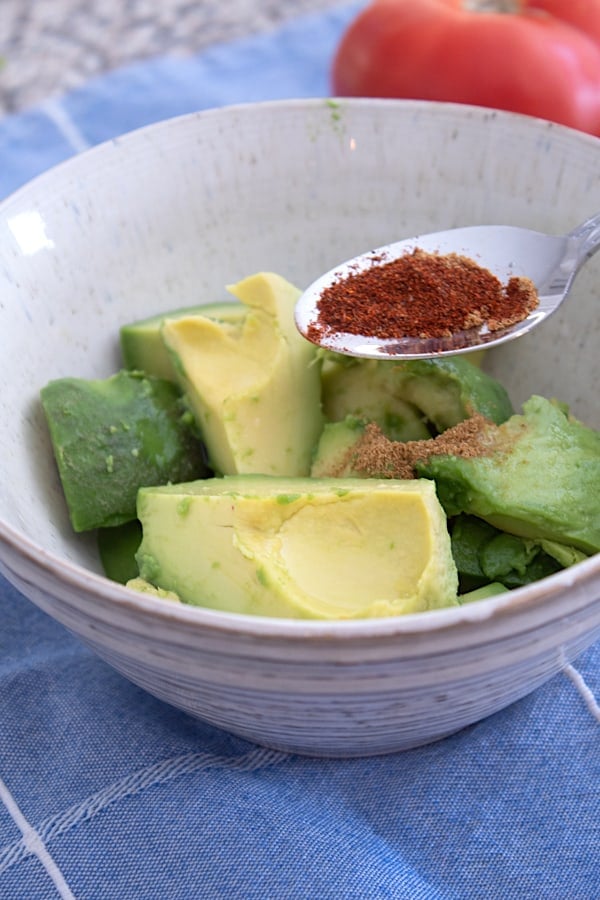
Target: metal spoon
550	261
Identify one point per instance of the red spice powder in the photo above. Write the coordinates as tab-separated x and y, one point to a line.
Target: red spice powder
424	295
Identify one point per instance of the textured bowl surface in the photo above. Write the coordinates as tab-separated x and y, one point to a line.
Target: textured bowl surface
167	216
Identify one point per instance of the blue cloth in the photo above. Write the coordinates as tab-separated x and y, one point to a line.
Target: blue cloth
106	792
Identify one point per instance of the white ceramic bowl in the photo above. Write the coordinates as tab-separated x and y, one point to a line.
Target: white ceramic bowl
167	216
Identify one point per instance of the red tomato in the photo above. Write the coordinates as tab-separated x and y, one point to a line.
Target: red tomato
541	58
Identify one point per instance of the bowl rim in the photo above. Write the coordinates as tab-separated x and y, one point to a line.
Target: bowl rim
324	103
73	575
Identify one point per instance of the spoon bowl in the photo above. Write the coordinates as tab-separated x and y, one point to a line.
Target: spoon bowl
551	262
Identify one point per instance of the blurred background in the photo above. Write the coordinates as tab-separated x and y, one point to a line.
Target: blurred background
48	47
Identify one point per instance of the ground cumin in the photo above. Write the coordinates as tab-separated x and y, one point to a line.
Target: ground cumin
376	456
424	295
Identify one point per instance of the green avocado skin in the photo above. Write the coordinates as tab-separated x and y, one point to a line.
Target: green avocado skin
117	547
485	555
110	437
540	480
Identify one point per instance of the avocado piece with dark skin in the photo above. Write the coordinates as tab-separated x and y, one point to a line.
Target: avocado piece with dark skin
411	399
468	535
538	477
516	561
110	437
483	554
117	547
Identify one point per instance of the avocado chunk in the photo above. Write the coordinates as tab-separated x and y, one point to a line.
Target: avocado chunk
482	593
369	390
142	346
144	587
451	389
468	535
483	554
537	476
333	453
515	561
254	385
360	449
111	436
411	399
299	547
117	547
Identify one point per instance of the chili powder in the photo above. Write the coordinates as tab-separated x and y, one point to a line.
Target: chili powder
424	295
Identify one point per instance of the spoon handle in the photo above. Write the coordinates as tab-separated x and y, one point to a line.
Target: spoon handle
585	239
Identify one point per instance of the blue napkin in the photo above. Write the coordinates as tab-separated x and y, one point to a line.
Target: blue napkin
106	792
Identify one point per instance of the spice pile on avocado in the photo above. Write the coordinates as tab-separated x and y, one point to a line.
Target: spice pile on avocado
232	465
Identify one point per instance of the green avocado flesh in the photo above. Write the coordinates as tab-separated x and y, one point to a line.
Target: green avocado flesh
333	456
112	436
254	385
144	587
299	547
410	400
540	478
482	593
143	348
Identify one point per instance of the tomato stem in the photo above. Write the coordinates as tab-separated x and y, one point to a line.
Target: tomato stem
492	6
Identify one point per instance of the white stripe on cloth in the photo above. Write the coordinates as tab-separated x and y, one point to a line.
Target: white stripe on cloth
65	124
34	843
158	773
579	682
